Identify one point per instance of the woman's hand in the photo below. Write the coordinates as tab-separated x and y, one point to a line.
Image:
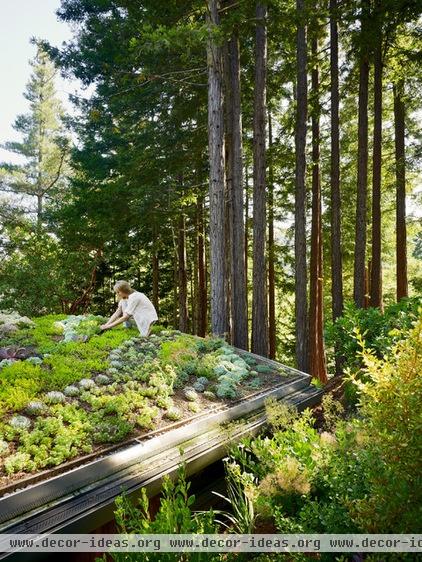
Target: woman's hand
104	327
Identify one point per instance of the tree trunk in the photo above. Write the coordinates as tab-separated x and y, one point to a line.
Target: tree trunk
182	275
238	280
217	180
362	175
317	364
399	138
155	270
300	194
336	257
271	249
376	272
202	289
228	196
194	305
175	285
246	224
259	292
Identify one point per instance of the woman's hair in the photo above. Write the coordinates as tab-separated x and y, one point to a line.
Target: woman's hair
124	287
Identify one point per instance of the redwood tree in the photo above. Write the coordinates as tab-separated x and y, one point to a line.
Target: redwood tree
300	195
217	174
399	138
362	171
317	364
259	299
376	272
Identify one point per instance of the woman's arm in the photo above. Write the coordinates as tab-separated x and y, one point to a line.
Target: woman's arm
116	315
113	317
116	322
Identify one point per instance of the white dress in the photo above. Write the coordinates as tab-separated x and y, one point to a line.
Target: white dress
141	309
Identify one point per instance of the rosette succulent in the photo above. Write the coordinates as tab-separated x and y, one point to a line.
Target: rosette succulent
20	422
55	397
4	447
86	383
190	394
34	360
35	408
173	414
71	390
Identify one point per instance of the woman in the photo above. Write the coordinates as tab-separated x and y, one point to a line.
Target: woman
133	306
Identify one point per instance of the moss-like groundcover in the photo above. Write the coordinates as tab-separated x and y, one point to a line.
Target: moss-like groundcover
68	390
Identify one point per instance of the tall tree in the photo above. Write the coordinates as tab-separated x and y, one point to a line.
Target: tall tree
202	290
238	274
44	145
259	298
182	274
271	245
300	192
317	364
217	173
362	171
399	141
336	258
376	272
335	240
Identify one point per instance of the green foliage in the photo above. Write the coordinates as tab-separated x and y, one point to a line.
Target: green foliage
332	410
110	429
52	440
241	493
174	515
361	476
391	425
379	330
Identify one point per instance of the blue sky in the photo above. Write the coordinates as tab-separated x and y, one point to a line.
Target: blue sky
20	20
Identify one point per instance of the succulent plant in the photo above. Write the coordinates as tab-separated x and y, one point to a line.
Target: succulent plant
55	397
255	383
194	407
102	379
15	352
190	394
71	390
203	380
116	363
34	360
20	422
173	414
6	363
198	387
263	369
164	402
35	408
4	447
209	395
86	383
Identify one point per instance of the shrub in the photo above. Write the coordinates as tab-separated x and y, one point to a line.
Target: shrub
380	331
390	406
174	515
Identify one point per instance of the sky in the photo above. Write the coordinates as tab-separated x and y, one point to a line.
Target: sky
20	20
